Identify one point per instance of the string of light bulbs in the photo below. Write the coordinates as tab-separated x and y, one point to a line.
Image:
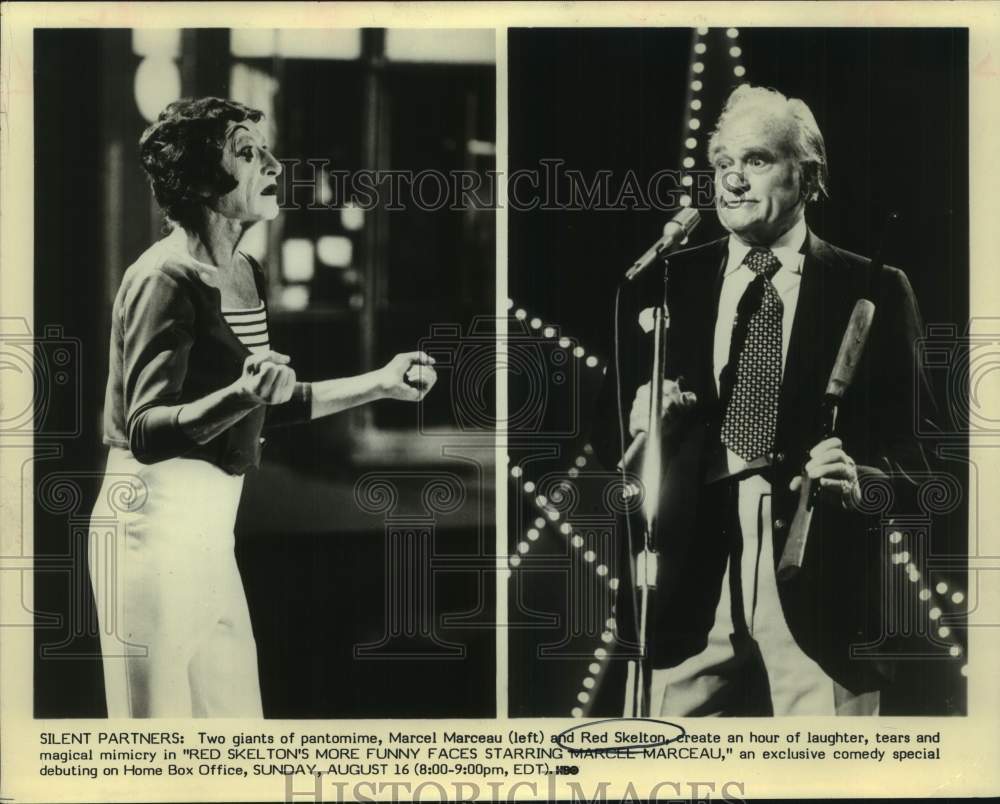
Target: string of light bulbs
932	601
550	517
548	331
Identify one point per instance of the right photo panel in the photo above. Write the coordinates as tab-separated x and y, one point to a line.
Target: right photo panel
738	371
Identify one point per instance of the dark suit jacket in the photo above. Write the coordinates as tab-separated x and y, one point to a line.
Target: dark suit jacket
836	600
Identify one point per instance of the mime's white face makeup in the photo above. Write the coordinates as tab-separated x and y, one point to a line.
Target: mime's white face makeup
248	159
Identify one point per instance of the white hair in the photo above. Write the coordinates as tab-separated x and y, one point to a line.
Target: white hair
806	142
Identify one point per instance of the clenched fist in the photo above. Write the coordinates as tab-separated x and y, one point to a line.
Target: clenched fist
408	376
267	378
835	471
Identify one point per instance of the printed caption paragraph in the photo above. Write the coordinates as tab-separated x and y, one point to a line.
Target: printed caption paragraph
446	753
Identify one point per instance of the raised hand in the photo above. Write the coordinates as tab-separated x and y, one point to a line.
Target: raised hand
408	376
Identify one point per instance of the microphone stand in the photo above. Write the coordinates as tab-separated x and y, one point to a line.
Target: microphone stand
647	560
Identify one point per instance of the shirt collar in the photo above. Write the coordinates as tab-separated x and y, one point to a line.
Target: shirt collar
788	249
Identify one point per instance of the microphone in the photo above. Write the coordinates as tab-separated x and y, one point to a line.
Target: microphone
675	230
851	348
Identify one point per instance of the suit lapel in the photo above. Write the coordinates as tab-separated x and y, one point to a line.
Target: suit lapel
706	297
820	313
711	315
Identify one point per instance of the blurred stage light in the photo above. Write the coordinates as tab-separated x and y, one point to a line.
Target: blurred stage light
319	43
296	43
335	251
297	260
324	191
468	46
295	297
481	148
157	83
352	218
164	42
253	42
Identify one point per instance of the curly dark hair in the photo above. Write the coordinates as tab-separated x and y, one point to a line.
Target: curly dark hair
182	154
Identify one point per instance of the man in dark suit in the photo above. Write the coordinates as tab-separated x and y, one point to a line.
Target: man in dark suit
743	419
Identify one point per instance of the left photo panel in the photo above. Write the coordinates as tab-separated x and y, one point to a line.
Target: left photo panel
264	295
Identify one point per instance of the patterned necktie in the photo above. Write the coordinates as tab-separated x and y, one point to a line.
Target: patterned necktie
752	413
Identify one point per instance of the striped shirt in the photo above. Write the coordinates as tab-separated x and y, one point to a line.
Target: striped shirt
250	326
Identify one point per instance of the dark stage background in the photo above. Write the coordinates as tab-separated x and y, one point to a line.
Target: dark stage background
893	108
314	563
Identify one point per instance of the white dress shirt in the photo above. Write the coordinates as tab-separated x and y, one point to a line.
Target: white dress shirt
798	685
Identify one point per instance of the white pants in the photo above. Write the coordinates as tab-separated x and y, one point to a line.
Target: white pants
175	631
708	682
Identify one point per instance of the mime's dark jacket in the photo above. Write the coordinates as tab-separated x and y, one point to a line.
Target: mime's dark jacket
171	345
